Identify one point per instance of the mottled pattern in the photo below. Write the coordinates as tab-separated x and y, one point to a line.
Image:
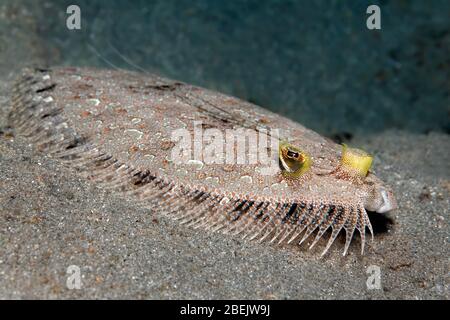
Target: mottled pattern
116	126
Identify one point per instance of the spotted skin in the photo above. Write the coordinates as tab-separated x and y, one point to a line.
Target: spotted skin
116	127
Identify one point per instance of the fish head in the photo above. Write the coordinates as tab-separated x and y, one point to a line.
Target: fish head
379	197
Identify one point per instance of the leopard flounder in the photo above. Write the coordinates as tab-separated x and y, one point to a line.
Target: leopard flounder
117	127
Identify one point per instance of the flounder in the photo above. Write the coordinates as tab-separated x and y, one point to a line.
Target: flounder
208	160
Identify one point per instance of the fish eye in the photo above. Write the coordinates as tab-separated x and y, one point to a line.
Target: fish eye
294	155
293	161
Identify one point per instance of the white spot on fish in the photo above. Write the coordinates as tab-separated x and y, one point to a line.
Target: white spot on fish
48	99
136	134
166	122
162	170
182	172
62	125
121	168
136	120
246	179
197	163
212	180
279	186
46	77
95	102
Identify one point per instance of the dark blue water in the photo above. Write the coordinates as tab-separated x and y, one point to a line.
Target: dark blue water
313	61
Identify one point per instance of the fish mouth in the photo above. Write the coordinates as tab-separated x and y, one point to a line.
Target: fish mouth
389	202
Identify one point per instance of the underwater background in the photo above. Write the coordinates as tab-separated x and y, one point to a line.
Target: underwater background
313	61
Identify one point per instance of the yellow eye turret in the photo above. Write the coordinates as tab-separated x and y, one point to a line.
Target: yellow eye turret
293	161
356	161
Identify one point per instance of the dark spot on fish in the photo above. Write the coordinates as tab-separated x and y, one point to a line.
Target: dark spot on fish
43	70
47	88
167	144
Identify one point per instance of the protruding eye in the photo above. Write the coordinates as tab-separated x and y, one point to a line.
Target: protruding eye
355	161
294	155
293	161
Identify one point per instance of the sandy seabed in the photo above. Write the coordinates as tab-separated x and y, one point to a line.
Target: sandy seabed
50	219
